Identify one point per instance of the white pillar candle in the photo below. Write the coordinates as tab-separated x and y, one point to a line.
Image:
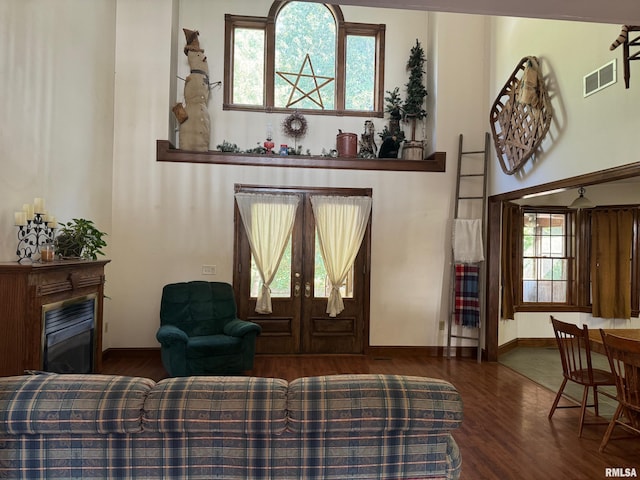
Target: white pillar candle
53	223
38	204
20	218
28	209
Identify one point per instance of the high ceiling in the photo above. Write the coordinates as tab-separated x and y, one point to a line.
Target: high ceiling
619	12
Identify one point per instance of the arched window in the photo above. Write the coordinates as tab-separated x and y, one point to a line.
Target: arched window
303	56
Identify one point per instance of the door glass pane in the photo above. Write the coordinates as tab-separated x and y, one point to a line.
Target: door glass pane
281	285
321	283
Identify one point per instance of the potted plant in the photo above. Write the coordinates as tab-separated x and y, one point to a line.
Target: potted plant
80	238
392	136
414	103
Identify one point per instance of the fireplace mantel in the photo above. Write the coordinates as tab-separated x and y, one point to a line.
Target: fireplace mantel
24	289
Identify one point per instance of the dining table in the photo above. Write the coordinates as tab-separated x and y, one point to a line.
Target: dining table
595	339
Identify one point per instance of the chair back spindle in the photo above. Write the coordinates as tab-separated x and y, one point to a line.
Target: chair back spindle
575	355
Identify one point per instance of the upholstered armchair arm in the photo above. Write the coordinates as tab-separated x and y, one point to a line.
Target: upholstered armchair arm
248	331
169	335
240	328
174	350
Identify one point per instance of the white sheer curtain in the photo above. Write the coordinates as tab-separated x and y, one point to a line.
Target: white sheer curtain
268	220
341	223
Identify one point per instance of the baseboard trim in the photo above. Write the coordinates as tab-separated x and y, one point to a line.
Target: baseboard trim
377	352
380	351
537	342
130	352
397	351
527	342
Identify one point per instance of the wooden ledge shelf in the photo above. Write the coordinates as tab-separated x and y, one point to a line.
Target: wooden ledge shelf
165	152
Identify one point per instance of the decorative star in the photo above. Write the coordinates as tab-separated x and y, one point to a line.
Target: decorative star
313	94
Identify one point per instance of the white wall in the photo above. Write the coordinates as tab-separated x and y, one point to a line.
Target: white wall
56	92
587	134
247	129
86	142
169	219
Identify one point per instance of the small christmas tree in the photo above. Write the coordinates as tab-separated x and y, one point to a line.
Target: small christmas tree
392	136
416	91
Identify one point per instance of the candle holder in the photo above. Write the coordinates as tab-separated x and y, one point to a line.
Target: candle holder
268	145
31	237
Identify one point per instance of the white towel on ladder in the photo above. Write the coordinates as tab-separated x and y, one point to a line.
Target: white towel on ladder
467	241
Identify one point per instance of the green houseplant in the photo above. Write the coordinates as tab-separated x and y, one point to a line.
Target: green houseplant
80	238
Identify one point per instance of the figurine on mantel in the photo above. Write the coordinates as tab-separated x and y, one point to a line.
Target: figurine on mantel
368	147
193	117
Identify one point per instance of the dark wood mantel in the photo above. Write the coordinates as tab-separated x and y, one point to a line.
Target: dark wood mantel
165	152
24	289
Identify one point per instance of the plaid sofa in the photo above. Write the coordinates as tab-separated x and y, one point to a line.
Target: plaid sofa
333	427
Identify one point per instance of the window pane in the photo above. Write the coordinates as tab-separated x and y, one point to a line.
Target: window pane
559	269
557	246
305	29
360	72
542	223
281	284
528	246
545	269
530	291
248	66
544	291
545	260
560	292
544	245
528	269
529	224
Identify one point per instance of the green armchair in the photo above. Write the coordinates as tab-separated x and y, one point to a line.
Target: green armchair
199	332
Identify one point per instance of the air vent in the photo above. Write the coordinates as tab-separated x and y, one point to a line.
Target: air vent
600	78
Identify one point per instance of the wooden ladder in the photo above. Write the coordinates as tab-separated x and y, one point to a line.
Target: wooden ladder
467	194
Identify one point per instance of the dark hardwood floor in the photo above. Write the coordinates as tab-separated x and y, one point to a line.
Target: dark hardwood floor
505	434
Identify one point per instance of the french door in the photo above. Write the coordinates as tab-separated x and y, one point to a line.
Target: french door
298	322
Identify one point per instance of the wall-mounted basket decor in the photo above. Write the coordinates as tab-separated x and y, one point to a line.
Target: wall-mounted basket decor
520	116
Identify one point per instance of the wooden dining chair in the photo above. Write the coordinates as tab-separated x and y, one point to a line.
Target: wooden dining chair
624	359
575	355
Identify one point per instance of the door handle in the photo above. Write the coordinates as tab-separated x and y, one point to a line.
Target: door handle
296	289
307	289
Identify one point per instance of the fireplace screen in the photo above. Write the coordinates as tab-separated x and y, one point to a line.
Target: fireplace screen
68	335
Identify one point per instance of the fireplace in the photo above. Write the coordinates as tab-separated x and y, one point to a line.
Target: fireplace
25	289
68	339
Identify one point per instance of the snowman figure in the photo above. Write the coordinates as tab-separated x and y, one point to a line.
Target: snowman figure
193	116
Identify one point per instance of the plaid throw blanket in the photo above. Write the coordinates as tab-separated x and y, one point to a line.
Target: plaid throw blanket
467	310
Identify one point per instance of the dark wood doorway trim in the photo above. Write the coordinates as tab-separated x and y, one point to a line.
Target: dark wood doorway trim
494	212
366	245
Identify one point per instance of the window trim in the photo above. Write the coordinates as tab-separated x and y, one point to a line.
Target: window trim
579	299
343	30
571	242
